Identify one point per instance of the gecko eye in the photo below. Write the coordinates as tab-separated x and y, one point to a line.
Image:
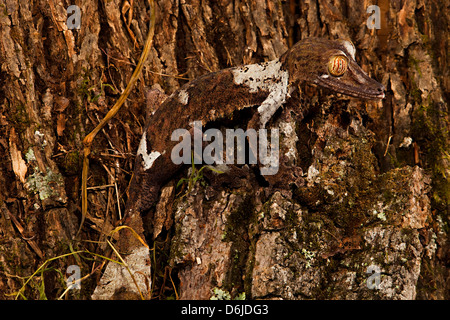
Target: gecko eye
337	65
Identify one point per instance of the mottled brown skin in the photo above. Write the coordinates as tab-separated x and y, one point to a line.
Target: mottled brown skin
216	96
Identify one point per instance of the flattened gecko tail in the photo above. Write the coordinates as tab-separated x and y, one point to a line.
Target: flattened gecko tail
133	205
142	198
132	208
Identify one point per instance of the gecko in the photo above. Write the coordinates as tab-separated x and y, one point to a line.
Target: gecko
218	95
213	97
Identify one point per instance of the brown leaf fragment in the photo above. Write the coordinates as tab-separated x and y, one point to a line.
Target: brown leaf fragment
18	164
61	124
61	104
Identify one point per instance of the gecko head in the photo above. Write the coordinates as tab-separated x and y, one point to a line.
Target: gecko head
330	64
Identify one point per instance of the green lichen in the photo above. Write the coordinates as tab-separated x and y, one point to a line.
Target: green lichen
219	294
309	256
30	155
381	216
44	184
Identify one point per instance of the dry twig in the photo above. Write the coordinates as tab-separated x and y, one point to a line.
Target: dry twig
114	110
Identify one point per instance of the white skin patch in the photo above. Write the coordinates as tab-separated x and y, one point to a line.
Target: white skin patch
266	76
350	48
147	158
183	97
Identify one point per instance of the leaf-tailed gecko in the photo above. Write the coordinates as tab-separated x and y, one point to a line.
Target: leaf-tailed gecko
214	96
217	96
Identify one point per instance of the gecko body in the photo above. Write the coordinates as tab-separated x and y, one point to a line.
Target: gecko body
219	95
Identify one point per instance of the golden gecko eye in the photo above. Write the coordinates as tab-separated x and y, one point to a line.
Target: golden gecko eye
337	65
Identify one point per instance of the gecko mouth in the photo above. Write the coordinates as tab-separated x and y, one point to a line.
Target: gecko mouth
372	90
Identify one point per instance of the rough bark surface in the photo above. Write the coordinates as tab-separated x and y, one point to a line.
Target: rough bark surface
370	189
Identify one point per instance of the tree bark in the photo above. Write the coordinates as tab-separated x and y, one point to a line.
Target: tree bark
367	196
